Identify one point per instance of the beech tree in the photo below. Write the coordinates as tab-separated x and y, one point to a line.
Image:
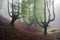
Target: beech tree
14	14
44	24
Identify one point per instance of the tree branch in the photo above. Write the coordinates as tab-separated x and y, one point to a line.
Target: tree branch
45	11
53	13
18	9
12	8
49	14
8	9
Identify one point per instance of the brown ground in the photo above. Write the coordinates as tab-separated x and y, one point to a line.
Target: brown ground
24	34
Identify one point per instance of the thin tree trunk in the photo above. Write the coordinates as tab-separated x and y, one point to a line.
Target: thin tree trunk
12	22
45	30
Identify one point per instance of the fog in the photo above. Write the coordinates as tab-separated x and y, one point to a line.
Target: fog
55	23
3	9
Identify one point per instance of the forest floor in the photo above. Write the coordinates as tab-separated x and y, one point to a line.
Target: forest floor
7	32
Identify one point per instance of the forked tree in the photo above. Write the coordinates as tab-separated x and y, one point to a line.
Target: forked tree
45	23
14	14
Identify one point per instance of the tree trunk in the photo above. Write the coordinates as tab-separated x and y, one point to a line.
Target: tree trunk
45	30
12	22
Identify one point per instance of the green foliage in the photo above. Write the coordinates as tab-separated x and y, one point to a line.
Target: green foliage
39	10
26	10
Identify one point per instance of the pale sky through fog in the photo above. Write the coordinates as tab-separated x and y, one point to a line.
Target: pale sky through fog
56	23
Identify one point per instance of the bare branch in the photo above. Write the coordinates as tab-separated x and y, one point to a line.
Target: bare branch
49	14
8	9
53	11
29	12
12	8
44	10
18	9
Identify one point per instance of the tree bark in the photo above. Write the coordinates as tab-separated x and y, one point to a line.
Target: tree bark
12	22
45	30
